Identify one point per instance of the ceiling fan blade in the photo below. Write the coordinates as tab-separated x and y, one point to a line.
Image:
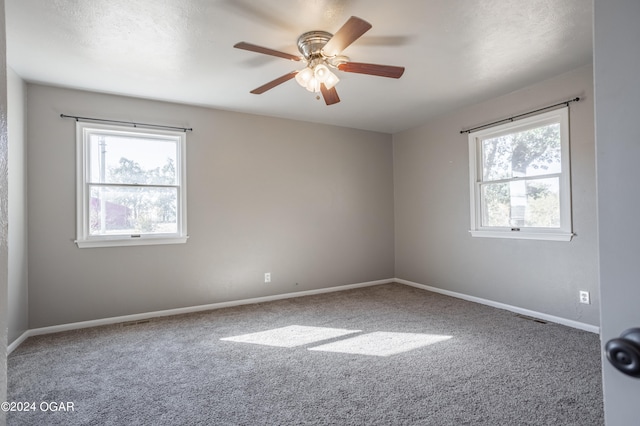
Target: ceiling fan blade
265	50
372	69
347	34
330	95
274	83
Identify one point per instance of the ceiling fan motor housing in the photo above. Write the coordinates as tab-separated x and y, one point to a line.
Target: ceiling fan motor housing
310	44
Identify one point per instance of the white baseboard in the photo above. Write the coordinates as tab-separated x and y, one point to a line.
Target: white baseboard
180	311
527	312
13	345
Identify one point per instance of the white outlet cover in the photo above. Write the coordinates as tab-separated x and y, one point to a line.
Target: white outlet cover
584	297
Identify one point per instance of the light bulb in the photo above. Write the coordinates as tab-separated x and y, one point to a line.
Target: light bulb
321	72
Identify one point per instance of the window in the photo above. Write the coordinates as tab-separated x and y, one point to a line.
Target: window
131	186
520	180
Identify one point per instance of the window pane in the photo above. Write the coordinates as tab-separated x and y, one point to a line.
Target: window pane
522	203
126	210
133	160
496	205
528	153
543	203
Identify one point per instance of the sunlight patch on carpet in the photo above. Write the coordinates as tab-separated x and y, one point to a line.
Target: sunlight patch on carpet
291	336
381	343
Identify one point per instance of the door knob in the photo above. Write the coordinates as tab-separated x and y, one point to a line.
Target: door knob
624	352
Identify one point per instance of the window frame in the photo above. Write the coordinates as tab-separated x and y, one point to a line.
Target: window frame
564	231
83	181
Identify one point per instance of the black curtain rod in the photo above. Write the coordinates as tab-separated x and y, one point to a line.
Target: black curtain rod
131	123
567	102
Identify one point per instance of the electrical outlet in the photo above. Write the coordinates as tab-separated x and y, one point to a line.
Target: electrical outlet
267	277
584	297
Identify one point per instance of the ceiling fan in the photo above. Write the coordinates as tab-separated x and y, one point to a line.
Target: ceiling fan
321	51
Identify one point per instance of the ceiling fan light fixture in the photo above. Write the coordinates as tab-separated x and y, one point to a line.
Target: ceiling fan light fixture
321	72
307	79
313	85
312	77
324	75
331	80
304	76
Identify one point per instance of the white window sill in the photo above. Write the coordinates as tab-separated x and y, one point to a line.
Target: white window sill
524	235
123	242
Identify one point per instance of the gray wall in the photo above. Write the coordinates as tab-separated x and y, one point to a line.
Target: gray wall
617	107
433	246
18	291
312	204
4	199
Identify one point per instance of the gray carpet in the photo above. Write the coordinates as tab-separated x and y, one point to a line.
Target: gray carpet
383	355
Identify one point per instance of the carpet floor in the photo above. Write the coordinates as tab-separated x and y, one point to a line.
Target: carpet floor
383	355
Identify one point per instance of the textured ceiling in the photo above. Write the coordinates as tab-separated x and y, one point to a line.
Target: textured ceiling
456	52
